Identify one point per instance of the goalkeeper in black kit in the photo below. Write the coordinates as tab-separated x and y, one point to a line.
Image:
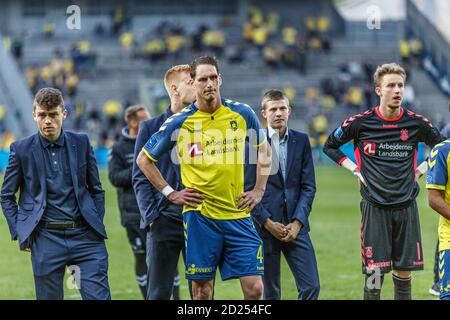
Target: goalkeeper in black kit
386	142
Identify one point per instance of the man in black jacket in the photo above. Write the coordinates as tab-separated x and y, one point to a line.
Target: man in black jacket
120	164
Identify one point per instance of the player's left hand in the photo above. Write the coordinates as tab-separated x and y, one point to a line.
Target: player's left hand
250	199
293	229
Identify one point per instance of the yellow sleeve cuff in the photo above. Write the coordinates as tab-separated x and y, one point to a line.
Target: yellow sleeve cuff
149	156
435	186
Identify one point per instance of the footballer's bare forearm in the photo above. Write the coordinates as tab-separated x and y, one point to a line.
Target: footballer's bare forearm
150	170
437	202
263	166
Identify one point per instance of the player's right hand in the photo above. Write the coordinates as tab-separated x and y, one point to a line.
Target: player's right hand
188	196
358	174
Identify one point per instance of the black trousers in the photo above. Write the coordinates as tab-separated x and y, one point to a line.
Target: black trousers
165	241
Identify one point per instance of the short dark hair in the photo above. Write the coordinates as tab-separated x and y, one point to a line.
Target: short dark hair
131	111
203	60
273	95
48	98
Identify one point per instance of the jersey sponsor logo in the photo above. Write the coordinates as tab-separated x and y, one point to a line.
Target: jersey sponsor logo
233	125
192	269
369	252
370	148
373	265
195	149
388	150
338	133
152	142
404	134
390	126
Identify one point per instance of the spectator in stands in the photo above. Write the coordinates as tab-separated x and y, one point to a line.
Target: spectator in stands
301	56
17	48
416	51
404	51
354	98
289	36
118	18
256	16
260	37
174	45
271	57
214	42
272	23
369	70
311	27
99	30
112	109
323	25
326	44
32	76
235	53
328	102
247	32
7	139
291	94
127	41
71	85
318	128
368	96
49	30
197	37
154	50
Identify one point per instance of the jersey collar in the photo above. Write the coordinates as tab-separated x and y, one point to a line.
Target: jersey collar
378	113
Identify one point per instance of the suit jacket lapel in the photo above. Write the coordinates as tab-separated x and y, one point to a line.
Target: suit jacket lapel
72	154
39	162
290	152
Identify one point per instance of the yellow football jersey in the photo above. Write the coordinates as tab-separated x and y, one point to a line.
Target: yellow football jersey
210	148
437	178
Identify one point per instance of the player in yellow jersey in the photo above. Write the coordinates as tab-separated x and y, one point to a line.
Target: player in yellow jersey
210	136
438	185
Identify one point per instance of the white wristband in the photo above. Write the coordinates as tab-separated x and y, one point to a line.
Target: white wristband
422	168
349	165
167	190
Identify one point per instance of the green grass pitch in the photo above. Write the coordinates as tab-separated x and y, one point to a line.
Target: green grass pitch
335	232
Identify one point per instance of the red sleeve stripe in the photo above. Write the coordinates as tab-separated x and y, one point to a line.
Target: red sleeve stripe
342	160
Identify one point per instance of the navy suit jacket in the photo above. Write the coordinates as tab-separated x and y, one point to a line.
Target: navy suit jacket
297	192
150	200
26	172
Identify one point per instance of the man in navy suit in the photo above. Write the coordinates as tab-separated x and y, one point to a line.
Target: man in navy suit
59	214
282	215
161	218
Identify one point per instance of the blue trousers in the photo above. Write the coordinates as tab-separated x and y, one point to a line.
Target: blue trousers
301	259
444	274
82	250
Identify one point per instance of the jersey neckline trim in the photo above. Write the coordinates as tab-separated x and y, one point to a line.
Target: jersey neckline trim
378	113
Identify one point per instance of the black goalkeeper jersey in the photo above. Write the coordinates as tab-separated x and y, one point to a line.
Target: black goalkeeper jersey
385	152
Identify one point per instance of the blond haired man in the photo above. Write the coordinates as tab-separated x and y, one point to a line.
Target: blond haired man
162	218
386	142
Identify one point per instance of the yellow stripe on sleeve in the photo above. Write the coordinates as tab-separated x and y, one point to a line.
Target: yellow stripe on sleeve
435	186
149	156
